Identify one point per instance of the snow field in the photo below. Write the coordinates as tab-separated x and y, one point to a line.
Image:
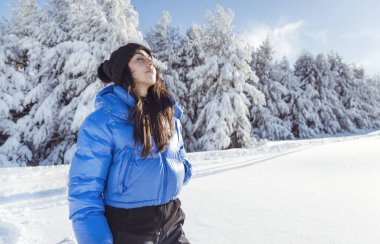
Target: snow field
305	191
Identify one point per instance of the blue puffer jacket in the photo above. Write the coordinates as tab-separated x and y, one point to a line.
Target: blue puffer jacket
107	168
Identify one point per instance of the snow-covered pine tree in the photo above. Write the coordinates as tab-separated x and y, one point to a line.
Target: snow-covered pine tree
343	78
268	120
330	109
165	41
221	86
306	122
283	73
65	84
64	74
121	20
12	86
191	55
353	94
365	93
22	50
372	85
96	28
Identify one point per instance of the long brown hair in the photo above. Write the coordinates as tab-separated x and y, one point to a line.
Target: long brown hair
152	116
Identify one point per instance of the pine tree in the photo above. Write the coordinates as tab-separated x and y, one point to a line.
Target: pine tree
341	74
21	50
372	85
191	55
268	120
365	100
348	83
220	84
62	78
285	76
306	122
330	108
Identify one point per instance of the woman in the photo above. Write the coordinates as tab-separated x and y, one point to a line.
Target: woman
130	162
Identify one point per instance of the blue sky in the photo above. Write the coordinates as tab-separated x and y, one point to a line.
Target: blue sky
351	28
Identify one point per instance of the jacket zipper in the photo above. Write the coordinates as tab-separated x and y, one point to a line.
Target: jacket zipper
165	180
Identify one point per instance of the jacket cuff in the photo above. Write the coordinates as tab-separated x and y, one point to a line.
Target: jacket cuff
188	171
92	229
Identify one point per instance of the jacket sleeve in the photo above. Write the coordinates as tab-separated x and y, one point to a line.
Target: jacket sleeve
87	177
182	152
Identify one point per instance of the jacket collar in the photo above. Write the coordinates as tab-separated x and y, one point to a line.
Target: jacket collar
117	100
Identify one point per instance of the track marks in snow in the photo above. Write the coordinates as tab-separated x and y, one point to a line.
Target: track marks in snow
237	163
33	195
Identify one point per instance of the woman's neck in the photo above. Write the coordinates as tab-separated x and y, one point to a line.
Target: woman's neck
143	91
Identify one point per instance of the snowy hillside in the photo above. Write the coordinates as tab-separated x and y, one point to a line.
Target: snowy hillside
304	191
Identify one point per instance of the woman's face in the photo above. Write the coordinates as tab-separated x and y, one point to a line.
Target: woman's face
142	70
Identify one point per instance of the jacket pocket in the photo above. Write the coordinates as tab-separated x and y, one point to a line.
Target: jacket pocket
125	168
143	178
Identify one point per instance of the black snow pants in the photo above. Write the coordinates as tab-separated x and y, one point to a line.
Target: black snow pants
160	224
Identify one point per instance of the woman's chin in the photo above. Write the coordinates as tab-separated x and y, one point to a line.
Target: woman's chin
151	82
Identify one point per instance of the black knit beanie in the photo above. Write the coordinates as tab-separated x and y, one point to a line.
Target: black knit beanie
116	69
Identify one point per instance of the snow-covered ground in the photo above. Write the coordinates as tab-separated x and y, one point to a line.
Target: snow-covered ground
304	191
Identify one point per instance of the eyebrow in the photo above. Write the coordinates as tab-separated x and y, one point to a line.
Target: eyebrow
141	53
